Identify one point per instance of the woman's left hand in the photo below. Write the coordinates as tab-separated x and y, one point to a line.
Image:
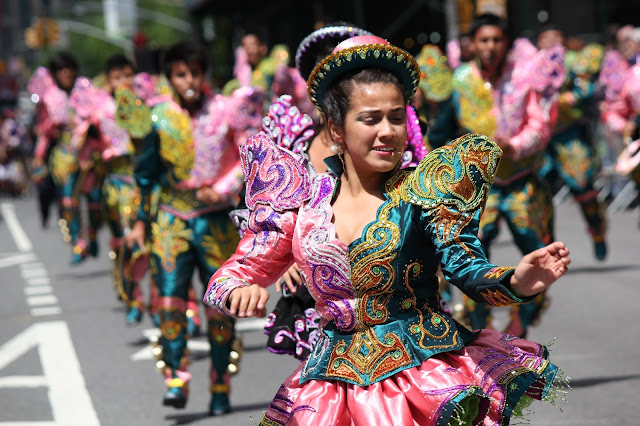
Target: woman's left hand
540	268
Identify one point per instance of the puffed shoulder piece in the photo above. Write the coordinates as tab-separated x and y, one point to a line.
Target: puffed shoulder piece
274	176
458	174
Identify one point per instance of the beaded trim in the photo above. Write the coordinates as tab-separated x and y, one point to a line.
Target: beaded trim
384	56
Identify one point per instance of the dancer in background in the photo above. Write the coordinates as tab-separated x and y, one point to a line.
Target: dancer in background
192	155
621	111
570	156
387	354
52	159
510	96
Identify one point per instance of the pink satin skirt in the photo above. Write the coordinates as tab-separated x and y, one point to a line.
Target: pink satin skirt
480	384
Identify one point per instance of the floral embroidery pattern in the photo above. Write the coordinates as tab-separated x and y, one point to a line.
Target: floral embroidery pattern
169	239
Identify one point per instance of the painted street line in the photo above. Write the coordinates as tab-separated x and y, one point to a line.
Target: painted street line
8	210
38	289
39	281
33	273
49	310
48	299
23	382
70	401
16	259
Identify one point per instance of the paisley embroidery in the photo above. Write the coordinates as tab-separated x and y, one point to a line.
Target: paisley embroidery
371	265
458	174
438	322
498	298
368	357
329	279
274	176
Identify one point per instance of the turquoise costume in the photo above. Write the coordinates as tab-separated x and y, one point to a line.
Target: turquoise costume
570	155
519	108
181	155
382	327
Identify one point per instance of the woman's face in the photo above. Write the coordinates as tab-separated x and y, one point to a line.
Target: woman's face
186	80
375	128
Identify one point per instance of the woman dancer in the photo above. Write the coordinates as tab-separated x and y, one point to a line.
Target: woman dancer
368	239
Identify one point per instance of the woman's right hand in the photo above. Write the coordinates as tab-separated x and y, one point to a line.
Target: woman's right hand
136	236
249	301
291	279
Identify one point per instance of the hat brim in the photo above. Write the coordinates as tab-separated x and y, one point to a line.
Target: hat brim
384	56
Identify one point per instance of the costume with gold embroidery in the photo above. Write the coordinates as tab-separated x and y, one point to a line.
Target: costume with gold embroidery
182	155
569	157
382	328
519	108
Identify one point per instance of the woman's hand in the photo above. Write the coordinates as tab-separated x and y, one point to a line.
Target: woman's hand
136	236
539	269
291	279
249	301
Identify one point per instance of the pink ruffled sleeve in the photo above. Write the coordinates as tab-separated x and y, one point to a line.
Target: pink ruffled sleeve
277	185
536	130
262	256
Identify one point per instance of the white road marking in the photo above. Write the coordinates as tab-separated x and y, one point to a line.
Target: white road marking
8	210
48	310
48	299
23	382
39	281
16	259
70	401
38	289
34	273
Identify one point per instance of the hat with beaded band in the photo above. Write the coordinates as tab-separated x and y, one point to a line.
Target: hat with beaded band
320	43
360	52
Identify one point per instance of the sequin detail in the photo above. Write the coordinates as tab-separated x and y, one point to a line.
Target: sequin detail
498	272
274	176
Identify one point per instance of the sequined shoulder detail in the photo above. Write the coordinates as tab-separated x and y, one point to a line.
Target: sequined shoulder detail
274	176
435	74
288	126
458	174
589	60
132	113
176	137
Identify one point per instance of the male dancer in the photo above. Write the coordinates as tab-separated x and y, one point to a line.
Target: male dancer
192	153
569	155
497	95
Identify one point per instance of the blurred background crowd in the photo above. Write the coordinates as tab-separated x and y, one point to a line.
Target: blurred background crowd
33	30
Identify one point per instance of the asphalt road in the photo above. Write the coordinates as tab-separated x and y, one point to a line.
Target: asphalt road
67	357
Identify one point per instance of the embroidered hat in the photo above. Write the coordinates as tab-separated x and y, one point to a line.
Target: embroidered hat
320	43
360	52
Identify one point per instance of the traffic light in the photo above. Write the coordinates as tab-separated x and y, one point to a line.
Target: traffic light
43	32
34	36
53	31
